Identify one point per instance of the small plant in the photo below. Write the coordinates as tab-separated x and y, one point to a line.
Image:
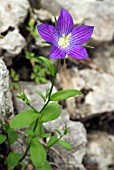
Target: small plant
14	80
39	68
65	40
31	28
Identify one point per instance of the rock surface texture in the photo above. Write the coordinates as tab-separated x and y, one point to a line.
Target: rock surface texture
100	152
12	13
6	107
11	45
96	96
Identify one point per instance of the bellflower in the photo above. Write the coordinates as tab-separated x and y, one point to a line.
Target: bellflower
64	38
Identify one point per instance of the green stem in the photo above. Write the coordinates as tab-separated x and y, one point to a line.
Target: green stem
25	152
53	81
48	100
33	108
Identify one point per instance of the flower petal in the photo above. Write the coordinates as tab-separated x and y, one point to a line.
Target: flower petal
48	33
57	52
81	34
77	52
64	23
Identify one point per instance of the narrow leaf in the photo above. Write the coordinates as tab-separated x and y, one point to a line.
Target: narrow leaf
51	112
24	118
41	95
45	135
52	141
65	144
49	64
38	153
64	94
2	138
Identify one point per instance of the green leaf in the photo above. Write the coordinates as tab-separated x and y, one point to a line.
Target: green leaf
2	138
45	135
41	95
24	118
13	159
49	64
65	144
53	140
45	167
29	132
51	112
23	97
39	129
64	94
38	153
56	130
12	136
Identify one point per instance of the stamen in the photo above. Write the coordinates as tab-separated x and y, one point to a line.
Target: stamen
64	41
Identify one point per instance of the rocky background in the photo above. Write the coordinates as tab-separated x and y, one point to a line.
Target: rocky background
89	116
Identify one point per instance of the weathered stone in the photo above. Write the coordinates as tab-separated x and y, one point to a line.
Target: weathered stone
97	94
31	91
12	43
97	13
6	106
100	97
12	13
104	57
76	137
100	152
42	15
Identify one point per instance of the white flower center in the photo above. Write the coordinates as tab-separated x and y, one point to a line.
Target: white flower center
64	40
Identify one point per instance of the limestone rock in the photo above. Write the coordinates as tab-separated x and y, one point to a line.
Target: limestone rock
100	152
97	94
104	57
12	43
43	15
76	137
6	106
100	96
12	13
97	13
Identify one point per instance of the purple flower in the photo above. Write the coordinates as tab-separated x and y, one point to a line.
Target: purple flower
64	38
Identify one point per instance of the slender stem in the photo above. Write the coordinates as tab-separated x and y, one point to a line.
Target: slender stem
53	81
25	152
33	108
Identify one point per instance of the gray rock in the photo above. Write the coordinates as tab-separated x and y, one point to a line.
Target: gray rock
31	91
97	96
100	152
76	137
104	57
12	43
97	13
43	15
6	106
12	13
100	97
